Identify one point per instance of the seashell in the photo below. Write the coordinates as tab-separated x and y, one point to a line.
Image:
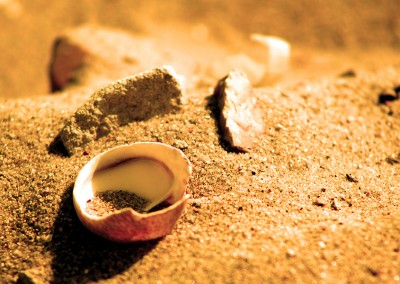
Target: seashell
153	171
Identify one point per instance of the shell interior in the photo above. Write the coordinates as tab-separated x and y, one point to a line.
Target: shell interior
146	177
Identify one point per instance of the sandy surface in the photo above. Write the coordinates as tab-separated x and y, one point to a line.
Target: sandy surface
316	201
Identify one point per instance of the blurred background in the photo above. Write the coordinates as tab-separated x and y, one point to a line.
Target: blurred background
28	28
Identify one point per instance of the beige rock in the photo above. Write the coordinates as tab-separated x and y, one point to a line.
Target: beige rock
240	120
139	97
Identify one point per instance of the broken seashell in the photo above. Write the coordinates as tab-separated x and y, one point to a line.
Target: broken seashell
153	171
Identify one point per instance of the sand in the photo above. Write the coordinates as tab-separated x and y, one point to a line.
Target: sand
110	201
317	200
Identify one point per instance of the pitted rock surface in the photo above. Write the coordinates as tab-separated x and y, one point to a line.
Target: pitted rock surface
135	98
240	121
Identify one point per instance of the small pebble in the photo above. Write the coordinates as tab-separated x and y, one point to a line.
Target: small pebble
348	74
392	161
335	205
180	144
350	178
319	203
290	252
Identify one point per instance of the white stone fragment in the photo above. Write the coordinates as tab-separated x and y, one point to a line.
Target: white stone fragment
278	53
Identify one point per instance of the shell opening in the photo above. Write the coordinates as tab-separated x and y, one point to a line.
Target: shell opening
148	178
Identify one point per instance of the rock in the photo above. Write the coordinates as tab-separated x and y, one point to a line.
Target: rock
180	144
390	160
335	205
240	120
135	98
319	202
348	74
351	178
66	60
389	96
290	252
94	55
278	53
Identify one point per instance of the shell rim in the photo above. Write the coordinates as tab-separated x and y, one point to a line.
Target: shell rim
185	196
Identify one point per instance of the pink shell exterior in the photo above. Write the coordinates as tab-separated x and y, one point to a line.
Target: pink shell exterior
127	225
